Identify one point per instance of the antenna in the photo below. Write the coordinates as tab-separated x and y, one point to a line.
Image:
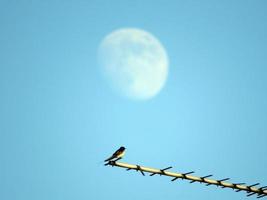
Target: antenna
250	189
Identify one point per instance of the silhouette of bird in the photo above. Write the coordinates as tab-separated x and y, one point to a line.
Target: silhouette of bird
117	154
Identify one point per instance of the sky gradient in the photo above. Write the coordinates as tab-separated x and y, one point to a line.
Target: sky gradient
60	119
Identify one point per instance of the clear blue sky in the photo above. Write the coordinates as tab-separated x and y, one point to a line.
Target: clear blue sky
59	119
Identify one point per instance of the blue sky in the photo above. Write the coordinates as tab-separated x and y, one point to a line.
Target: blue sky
59	118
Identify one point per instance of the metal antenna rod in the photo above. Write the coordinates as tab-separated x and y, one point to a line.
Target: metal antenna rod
250	189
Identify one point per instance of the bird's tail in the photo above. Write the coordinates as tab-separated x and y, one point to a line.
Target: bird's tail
104	161
108	159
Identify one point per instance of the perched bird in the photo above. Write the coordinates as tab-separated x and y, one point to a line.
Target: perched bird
117	155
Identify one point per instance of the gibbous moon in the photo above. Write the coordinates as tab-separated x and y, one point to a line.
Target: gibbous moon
134	62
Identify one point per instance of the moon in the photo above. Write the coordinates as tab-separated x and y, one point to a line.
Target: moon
134	62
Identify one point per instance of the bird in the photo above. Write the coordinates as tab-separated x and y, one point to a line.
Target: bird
117	154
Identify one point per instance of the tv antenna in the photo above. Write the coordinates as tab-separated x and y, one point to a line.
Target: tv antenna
222	183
